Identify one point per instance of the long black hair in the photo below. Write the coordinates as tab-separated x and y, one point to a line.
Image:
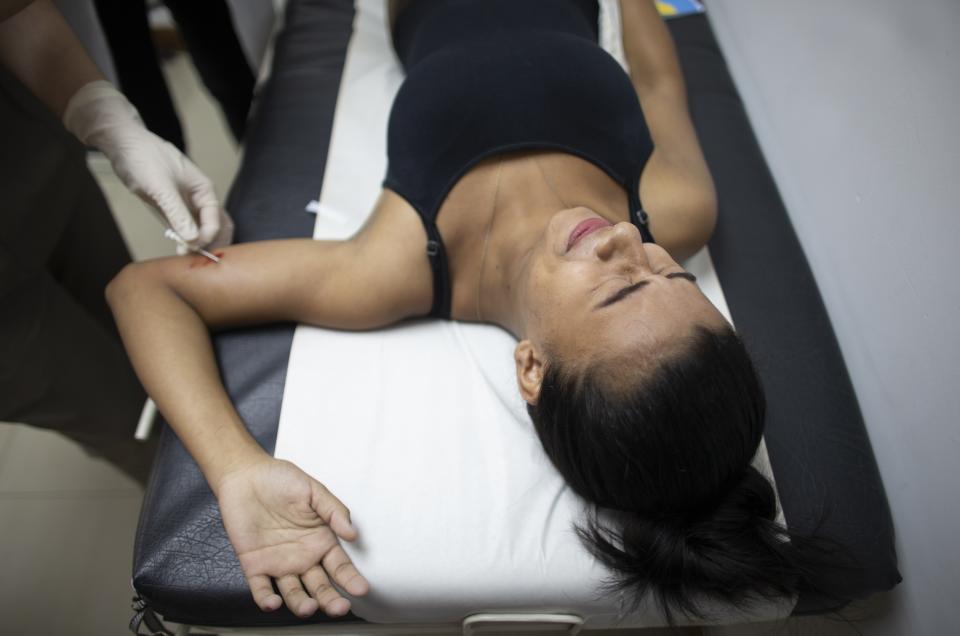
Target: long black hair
670	459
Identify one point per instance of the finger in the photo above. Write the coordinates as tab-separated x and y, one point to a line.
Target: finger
209	224
318	585
340	524
341	569
200	192
295	597
225	235
197	185
280	560
263	594
332	511
174	211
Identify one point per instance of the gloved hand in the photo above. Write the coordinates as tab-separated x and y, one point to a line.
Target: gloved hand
154	169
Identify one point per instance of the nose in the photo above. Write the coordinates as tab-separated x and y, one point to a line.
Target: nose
622	241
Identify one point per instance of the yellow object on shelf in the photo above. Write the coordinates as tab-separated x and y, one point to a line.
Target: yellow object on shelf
677	8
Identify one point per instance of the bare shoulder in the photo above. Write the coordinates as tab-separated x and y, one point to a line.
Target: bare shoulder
388	256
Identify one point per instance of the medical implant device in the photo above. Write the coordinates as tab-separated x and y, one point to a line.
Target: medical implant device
173	236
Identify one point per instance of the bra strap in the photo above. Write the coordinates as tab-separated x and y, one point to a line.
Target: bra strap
437	255
638	215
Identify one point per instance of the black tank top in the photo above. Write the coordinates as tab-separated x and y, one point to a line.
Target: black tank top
486	77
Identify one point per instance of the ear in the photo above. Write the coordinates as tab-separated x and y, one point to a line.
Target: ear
529	370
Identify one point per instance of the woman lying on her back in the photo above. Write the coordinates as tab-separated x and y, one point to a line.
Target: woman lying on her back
513	197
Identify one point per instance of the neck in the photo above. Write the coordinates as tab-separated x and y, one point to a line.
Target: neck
525	205
532	188
504	276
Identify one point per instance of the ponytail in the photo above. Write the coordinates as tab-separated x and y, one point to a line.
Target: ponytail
669	457
733	551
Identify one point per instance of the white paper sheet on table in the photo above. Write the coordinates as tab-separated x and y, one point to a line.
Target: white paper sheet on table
420	429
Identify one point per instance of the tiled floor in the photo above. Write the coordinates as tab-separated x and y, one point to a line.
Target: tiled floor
67	521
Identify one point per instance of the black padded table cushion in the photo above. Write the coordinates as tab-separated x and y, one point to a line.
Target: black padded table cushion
824	466
184	566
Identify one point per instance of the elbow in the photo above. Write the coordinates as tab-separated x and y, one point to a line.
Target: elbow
123	286
693	226
703	211
115	288
703	224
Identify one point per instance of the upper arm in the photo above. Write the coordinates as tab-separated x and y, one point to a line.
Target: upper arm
682	206
676	186
362	283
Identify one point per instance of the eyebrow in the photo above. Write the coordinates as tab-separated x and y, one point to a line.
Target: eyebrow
629	289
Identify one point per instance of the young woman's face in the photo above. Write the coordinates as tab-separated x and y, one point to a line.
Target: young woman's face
596	289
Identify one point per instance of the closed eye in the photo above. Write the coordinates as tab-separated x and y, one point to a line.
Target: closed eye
629	289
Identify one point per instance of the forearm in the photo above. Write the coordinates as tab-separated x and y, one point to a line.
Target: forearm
284	525
170	348
649	48
39	48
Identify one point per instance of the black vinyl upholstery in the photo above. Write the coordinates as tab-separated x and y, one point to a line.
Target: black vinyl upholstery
184	566
822	460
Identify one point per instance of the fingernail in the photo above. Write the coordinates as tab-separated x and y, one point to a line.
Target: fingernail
358	588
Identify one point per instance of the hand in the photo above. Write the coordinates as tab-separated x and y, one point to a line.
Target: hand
150	167
161	175
284	525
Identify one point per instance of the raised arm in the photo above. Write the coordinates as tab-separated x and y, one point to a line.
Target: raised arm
676	184
283	524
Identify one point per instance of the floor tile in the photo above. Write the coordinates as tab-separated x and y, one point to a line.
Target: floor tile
37	461
7	433
67	565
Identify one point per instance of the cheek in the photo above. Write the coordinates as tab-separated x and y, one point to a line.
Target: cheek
561	292
539	288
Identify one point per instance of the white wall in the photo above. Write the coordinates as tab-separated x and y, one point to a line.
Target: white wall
856	107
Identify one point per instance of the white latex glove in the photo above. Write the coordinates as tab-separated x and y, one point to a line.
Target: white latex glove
153	169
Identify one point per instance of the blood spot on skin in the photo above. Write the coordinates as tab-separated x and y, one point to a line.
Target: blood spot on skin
202	261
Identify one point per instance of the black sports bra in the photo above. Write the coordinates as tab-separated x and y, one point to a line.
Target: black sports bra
486	77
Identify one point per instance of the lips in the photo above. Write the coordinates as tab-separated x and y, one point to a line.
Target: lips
585	227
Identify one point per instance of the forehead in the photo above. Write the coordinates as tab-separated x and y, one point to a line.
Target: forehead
651	322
